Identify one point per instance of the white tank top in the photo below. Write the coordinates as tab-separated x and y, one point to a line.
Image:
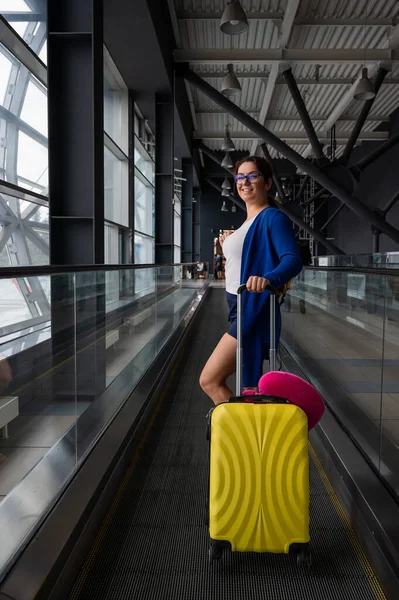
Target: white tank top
232	250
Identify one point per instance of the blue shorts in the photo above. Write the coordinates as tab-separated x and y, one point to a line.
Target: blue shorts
232	303
232	330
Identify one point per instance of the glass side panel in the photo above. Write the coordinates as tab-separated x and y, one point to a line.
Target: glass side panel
65	342
343	328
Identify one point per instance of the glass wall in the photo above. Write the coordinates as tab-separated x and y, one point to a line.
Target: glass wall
116	175
343	328
28	23
144	203
56	409
24	212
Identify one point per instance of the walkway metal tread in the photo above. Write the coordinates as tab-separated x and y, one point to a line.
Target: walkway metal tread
155	545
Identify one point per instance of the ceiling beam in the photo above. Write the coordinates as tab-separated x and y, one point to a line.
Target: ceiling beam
300	137
284	37
389	46
271	118
280	146
25	17
267	98
394	38
288	22
175	23
346	100
300	81
18	48
278	16
292	55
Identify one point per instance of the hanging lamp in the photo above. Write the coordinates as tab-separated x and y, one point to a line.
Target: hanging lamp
228	144
227	163
365	88
234	20
230	84
226	185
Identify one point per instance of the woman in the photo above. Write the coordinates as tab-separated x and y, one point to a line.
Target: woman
262	251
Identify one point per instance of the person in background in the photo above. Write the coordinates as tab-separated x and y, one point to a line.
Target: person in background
5	373
262	251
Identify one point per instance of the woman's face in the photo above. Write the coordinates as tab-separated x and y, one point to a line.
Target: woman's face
254	191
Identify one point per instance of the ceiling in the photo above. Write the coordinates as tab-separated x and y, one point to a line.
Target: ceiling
323	42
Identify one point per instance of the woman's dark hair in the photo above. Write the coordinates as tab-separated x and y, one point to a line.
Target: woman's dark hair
264	169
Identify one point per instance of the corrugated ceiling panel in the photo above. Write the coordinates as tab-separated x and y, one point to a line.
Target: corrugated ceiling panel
218	5
338	37
251	95
257	70
206	35
350	9
218	122
386	102
319	100
240	145
307	8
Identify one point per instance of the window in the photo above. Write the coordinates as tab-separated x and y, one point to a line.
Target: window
116	109
144	205
24	230
177	215
32	162
34	110
144	198
32	32
24	221
23	126
144	249
116	192
116	176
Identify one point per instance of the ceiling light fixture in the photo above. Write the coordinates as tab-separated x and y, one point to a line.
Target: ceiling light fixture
226	185
365	88
230	84
227	163
234	20
224	207
228	144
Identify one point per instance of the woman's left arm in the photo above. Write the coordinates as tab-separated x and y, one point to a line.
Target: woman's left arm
285	246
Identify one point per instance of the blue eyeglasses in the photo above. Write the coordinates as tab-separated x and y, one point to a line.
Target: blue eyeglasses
250	177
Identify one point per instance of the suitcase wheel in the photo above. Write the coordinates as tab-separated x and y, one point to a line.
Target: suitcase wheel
304	557
215	552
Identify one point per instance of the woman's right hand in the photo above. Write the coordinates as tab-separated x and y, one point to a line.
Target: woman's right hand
224	236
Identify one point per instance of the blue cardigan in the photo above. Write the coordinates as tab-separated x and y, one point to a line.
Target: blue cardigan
269	251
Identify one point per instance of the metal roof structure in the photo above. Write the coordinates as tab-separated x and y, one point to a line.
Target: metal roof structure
325	44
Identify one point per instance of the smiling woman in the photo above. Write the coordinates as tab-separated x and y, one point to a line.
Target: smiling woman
262	251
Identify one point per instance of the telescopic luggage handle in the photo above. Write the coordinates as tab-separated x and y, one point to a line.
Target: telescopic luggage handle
272	348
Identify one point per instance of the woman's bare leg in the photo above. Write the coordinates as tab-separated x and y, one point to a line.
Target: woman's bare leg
220	365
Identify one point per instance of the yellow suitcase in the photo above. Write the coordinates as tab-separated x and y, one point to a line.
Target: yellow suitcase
259	479
259	471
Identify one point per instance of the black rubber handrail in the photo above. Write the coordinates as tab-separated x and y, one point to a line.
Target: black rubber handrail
41	270
358	270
